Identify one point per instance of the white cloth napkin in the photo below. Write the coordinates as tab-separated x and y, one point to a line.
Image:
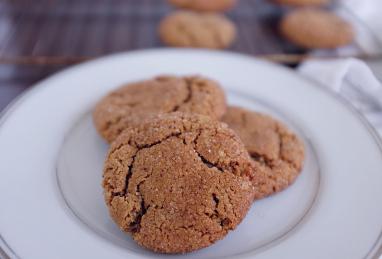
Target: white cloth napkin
365	16
350	77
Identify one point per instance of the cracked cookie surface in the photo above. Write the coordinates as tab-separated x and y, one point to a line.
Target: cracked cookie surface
203	5
197	30
137	101
277	152
178	182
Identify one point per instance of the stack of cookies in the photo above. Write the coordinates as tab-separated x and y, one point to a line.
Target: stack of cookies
183	168
199	24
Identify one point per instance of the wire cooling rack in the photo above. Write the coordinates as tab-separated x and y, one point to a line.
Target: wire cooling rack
39	37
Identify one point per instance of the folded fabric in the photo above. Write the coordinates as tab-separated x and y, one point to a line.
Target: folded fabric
365	16
352	79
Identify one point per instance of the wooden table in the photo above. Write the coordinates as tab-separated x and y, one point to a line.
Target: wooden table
91	28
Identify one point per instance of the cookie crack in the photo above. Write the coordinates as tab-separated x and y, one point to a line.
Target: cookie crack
205	161
281	135
223	221
189	94
129	173
144	146
130	167
261	159
135	226
216	212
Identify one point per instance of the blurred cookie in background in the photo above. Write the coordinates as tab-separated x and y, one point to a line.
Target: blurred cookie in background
314	28
197	30
204	5
303	2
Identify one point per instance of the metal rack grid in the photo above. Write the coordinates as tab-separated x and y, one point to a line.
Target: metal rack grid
73	28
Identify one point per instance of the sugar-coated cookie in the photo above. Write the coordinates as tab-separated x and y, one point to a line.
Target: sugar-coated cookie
277	151
178	182
134	102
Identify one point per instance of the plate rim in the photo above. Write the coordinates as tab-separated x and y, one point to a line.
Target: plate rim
375	250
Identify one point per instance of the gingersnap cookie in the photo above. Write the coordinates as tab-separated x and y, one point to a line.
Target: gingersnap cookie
203	5
197	30
276	151
134	102
303	2
316	28
178	182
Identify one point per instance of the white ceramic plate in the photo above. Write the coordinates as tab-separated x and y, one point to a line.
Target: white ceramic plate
51	203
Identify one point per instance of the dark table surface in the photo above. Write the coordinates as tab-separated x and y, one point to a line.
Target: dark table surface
73	28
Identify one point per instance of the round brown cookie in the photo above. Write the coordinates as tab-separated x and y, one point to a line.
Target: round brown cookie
203	5
276	151
198	30
315	28
178	182
303	2
134	102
